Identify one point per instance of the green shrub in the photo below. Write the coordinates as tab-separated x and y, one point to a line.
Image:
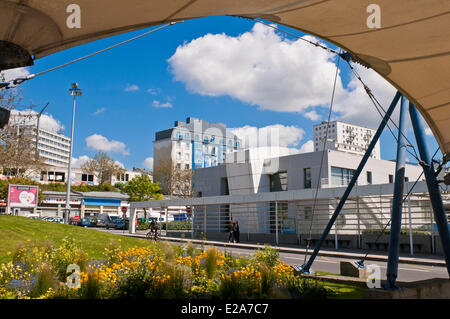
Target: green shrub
269	256
44	280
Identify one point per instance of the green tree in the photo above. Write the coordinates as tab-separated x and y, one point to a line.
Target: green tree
140	189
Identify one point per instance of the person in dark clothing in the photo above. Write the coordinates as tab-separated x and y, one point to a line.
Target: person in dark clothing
236	232
231	231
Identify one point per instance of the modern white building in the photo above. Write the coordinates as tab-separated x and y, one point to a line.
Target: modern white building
256	172
79	177
194	144
53	148
344	137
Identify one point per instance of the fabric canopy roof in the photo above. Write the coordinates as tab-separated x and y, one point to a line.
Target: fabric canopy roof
411	50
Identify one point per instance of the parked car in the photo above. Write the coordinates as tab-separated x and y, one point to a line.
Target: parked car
100	222
58	220
74	222
32	216
114	222
85	222
93	222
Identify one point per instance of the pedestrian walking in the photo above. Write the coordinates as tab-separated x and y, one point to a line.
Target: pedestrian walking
236	232
231	232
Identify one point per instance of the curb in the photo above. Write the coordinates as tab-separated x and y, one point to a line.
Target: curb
356	256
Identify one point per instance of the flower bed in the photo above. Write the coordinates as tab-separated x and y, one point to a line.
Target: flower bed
158	271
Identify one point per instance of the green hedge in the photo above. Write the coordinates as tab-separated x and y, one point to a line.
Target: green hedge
172	225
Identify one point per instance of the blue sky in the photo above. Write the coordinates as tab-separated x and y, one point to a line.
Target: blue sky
130	118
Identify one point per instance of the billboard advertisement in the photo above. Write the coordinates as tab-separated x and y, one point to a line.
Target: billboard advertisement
23	196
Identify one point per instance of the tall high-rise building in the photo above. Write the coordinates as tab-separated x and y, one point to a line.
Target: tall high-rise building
345	137
194	144
53	148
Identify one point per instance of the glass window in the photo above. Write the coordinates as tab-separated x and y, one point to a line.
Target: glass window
197	138
278	182
341	176
391	179
307	177
369	177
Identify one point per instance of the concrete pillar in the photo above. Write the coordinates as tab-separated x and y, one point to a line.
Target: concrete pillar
82	210
132	228
58	210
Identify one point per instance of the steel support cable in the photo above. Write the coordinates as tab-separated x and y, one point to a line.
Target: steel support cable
323	155
18	81
378	105
317	44
368	250
366	88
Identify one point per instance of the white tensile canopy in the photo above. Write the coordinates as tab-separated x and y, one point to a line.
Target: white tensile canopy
411	50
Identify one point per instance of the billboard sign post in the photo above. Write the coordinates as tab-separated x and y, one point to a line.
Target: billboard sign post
22	196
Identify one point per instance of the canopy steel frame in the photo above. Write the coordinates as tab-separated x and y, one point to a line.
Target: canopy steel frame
397	202
432	183
306	267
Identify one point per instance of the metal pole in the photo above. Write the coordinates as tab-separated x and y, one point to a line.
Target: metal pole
336	246
432	183
276	222
67	213
204	220
359	222
411	244
397	202
353	181
37	128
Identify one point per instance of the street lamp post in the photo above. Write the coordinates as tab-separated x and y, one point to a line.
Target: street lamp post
74	91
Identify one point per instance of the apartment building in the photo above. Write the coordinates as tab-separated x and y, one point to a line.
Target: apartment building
344	137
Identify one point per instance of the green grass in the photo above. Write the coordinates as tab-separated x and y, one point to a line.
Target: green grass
20	230
345	291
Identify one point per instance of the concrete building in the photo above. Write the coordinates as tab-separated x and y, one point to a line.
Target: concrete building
256	173
345	137
83	204
194	144
55	174
52	147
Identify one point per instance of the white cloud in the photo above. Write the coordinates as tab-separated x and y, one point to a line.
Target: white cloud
101	143
148	163
100	111
158	104
262	68
131	88
273	135
312	115
307	147
78	162
258	67
119	164
153	91
47	122
15	73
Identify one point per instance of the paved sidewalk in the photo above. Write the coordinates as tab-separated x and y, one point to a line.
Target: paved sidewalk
355	255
